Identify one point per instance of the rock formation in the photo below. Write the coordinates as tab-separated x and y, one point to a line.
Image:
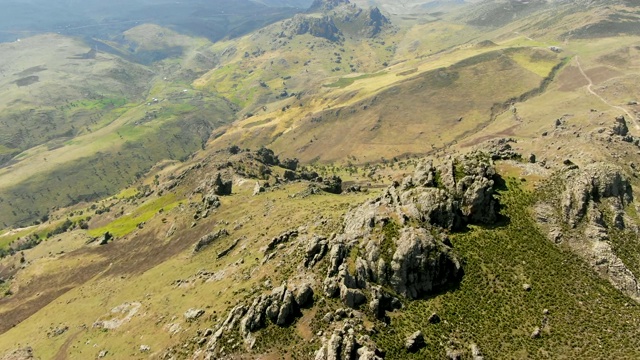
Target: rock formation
590	207
393	250
280	307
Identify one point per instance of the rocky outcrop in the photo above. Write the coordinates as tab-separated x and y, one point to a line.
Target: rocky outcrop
222	187
326	5
332	185
322	27
393	235
267	156
420	264
450	196
315	251
257	189
415	342
375	22
281	307
344	345
620	126
281	239
592	185
209	239
290	164
590	207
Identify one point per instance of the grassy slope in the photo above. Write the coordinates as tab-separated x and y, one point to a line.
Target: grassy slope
100	132
587	318
134	276
410	117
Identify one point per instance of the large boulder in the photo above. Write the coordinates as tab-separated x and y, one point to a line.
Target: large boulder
421	264
332	185
222	187
620	126
415	342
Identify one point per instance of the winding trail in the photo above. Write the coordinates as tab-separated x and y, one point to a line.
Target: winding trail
590	89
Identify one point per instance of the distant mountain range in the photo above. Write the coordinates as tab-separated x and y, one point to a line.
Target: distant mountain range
211	19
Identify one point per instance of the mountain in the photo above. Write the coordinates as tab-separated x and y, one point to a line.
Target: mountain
359	180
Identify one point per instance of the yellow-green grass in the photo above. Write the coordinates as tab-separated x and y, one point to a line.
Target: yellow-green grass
539	63
129	222
346	81
162	302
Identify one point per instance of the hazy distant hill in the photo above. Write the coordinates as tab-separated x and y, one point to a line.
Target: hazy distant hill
212	19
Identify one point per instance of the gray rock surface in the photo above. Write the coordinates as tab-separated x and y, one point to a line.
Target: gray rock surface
193	314
315	251
415	342
593	184
420	264
620	127
221	186
209	239
257	189
304	296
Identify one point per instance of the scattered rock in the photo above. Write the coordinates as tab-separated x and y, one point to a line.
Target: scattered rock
526	287
145	348
415	342
501	149
105	238
19	354
452	354
536	333
102	354
58	331
209	239
229	249
193	314
476	354
434	319
282	238
257	189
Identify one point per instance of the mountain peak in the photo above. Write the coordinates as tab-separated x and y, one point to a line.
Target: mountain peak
325	5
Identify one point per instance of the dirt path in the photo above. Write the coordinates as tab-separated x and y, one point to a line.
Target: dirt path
590	89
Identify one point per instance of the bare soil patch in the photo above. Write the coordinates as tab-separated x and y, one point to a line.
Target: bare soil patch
571	79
